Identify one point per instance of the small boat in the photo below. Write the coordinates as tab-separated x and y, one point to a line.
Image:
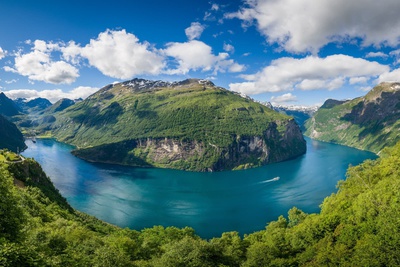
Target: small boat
34	139
276	178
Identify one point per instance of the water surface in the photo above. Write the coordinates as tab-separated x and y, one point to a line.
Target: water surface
211	203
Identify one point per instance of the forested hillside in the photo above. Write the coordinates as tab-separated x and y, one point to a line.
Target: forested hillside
370	123
357	226
10	137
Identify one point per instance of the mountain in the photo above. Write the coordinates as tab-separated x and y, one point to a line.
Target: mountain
300	113
369	123
32	106
60	105
7	106
38	104
190	125
10	137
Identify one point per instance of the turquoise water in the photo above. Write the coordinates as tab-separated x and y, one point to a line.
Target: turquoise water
211	203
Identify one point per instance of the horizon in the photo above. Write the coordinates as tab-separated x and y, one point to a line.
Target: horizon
264	49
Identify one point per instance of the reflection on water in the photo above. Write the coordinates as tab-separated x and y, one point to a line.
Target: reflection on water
211	203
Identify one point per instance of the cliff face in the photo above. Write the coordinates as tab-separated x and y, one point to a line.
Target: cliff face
370	122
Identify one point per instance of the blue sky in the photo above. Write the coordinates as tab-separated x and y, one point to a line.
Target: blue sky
290	52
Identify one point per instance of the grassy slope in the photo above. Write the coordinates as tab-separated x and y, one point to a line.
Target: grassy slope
368	123
209	114
358	226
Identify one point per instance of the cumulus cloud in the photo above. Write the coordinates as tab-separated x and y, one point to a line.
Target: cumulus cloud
229	48
309	73
194	31
119	54
2	53
285	98
307	25
196	55
396	55
10	81
376	54
52	95
390	76
39	66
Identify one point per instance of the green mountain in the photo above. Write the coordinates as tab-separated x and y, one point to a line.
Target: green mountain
357	226
60	105
7	107
369	123
10	137
190	125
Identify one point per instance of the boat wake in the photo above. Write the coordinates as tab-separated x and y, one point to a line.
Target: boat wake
270	180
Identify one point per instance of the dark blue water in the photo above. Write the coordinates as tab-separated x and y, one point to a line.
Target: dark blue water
211	203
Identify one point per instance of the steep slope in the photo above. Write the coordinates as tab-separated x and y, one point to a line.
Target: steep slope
10	137
370	122
7	106
191	125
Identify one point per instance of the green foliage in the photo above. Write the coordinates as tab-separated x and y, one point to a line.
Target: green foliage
11	213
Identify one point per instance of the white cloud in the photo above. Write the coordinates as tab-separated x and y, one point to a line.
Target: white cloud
196	55
285	98
194	31
309	73
215	7
376	54
38	65
2	53
356	80
307	25
119	54
390	76
229	48
396	55
11	81
52	95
